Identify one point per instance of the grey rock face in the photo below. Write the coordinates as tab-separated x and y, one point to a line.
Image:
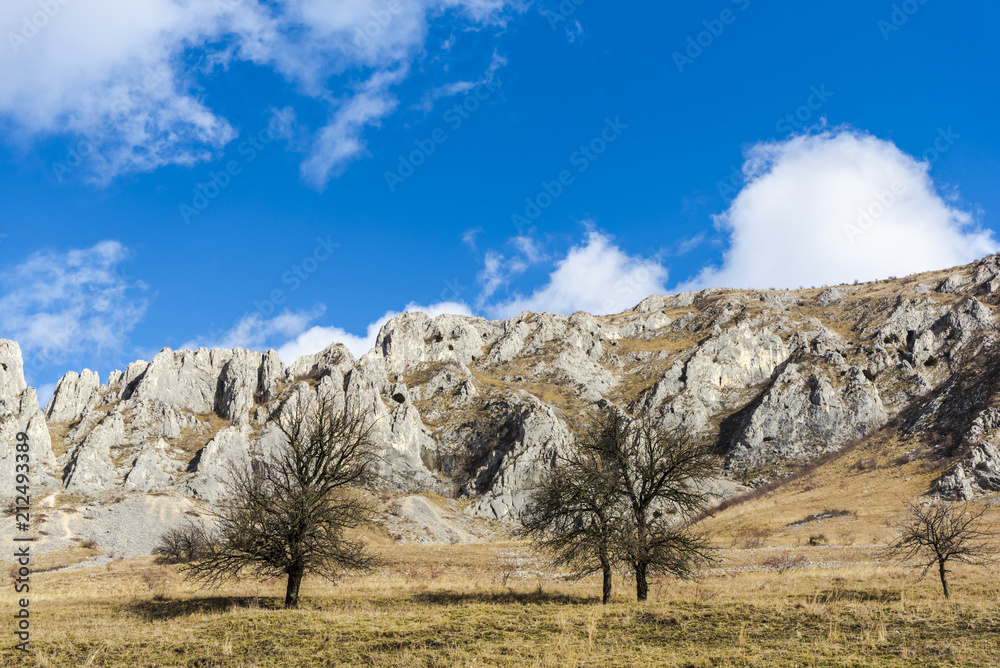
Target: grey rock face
149	469
19	412
829	296
412	338
334	359
803	415
477	409
74	395
230	447
187	379
952	284
238	386
269	375
979	470
90	468
529	434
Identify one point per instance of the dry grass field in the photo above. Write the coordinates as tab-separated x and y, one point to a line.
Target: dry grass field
773	600
450	606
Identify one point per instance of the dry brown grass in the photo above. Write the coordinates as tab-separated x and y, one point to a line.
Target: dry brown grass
447	606
190	441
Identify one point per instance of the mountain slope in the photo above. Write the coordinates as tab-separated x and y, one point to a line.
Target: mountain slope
476	409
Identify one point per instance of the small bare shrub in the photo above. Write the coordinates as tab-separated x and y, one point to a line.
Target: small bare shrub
846	536
156	579
868	464
784	562
182	544
750	537
505	571
902	460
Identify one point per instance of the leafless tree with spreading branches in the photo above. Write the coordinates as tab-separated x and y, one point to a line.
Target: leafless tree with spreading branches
573	515
937	533
290	514
659	476
629	494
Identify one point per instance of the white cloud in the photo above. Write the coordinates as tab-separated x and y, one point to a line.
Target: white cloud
127	74
573	31
458	87
469	237
835	206
341	140
254	331
57	305
499	270
596	276
685	246
496	273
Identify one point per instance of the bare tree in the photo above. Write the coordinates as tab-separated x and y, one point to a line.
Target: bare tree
288	515
573	515
182	544
659	477
937	533
627	495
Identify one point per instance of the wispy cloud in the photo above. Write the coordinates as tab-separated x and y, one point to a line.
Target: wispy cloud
60	304
129	75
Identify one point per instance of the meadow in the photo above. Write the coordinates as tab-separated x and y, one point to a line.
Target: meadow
800	582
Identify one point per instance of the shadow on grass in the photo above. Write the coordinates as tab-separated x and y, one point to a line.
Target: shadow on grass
169	608
508	597
855	596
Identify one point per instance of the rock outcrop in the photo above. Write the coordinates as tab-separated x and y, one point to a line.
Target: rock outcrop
479	409
19	413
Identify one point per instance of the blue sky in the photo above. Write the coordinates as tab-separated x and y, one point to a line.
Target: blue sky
167	168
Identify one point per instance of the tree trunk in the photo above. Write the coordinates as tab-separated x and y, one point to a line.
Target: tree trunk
944	579
641	586
292	590
606	569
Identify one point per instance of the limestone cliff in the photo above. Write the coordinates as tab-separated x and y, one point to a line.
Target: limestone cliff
476	408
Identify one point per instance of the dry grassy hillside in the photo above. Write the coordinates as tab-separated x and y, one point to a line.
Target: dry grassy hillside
773	600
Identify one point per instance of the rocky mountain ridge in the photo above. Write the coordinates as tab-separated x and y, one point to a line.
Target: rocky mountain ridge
476	409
